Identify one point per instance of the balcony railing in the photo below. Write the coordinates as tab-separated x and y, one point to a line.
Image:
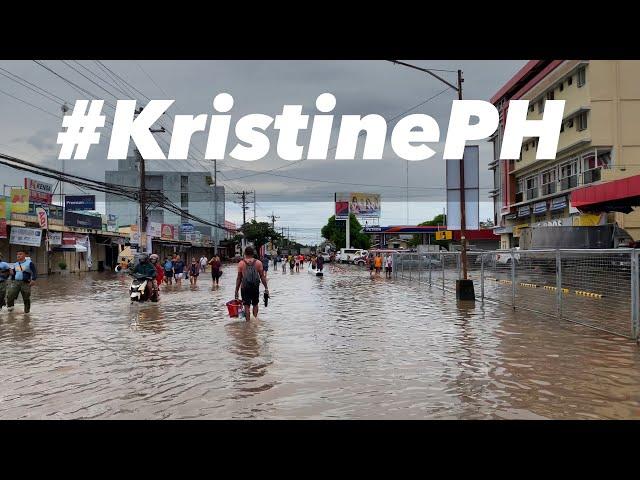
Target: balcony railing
532	193
591	176
569	182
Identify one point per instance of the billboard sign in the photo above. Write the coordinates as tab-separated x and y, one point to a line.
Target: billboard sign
168	232
3	228
5	207
365	204
25	236
19	200
80	202
83	221
155	230
39	192
187	228
342	208
471	159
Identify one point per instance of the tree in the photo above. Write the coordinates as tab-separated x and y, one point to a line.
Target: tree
435	221
334	231
259	233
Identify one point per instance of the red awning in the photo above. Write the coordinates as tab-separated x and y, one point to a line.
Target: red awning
614	196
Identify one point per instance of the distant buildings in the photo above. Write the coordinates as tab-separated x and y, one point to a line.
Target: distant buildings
191	191
599	143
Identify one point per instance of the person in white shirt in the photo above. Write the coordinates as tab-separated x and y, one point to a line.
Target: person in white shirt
388	265
203	264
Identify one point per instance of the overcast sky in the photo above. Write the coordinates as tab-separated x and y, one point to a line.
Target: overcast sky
361	87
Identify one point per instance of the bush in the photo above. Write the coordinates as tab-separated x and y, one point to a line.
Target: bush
62	265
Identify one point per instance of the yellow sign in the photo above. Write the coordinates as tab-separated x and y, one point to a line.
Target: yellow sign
19	200
4	208
444	235
517	228
587	220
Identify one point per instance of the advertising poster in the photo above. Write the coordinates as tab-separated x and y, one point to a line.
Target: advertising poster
19	200
26	236
365	204
168	232
39	192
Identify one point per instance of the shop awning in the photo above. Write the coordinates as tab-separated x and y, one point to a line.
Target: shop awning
614	196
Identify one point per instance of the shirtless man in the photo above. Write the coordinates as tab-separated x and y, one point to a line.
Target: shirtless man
250	274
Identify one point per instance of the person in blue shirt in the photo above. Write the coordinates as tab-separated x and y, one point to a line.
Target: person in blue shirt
23	275
5	273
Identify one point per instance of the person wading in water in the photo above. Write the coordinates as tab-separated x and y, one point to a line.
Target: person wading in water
250	274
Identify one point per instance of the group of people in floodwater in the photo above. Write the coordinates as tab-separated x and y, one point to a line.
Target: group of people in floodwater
296	262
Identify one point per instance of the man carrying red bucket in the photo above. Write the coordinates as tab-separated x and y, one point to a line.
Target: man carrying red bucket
250	275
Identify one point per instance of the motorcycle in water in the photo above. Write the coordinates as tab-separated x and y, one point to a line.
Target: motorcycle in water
140	288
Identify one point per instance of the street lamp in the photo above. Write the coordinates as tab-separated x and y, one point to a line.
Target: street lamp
464	287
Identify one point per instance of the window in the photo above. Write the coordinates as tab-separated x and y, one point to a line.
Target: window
540	106
184	182
526	147
582	121
531	106
570	123
569	81
561	88
519	190
532	187
184	200
562	127
569	175
549	181
550	95
582	76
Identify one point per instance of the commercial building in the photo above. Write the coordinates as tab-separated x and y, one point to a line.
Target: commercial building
599	143
191	191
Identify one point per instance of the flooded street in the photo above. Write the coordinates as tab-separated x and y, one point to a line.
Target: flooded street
342	346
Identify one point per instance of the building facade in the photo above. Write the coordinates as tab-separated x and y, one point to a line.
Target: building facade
599	142
191	191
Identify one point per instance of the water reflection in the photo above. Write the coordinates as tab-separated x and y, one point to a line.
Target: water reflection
340	346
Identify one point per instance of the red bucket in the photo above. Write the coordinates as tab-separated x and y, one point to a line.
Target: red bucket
234	307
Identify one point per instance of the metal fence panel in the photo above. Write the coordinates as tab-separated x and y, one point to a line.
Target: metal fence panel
597	288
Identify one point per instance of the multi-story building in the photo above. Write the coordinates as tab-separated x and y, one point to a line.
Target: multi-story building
599	142
191	191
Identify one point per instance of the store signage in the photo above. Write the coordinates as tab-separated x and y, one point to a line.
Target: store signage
524	211
42	218
79	202
55	238
72	219
540	207
26	236
558	203
38	191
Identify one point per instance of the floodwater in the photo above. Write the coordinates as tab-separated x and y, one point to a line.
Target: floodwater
342	346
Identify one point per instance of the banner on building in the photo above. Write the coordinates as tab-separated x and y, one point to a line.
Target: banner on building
39	192
155	229
55	238
79	202
19	200
42	218
5	207
26	236
68	238
540	207
471	159
558	203
187	228
112	223
168	232
524	211
54	212
72	219
3	228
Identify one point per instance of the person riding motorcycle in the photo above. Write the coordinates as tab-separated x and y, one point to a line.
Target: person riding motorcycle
145	268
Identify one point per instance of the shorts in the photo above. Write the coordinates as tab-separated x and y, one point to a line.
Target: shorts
179	276
168	273
250	295
215	274
387	269
378	269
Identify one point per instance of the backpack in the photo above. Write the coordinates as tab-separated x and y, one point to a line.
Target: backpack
251	276
168	265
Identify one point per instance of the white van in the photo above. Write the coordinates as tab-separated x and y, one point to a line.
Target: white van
349	254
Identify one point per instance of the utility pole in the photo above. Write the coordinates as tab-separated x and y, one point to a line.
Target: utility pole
254	205
142	197
243	198
215	208
464	287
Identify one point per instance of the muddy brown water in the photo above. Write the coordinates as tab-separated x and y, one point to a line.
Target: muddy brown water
342	346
